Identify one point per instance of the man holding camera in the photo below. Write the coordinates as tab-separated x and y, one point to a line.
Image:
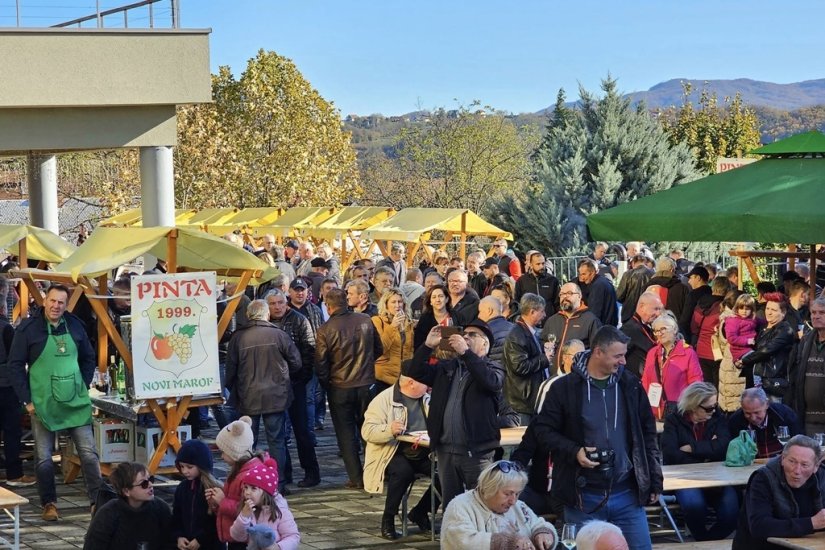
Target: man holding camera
601	433
463	420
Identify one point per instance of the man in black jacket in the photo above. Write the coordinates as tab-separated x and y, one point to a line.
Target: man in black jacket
807	368
598	293
298	328
525	363
597	424
638	329
463	423
698	278
783	498
539	282
490	311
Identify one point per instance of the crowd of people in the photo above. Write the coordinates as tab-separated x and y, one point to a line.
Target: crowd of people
459	350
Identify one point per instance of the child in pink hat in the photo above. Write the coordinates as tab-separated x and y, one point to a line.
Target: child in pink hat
263	507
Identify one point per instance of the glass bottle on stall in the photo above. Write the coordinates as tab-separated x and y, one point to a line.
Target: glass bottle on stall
121	379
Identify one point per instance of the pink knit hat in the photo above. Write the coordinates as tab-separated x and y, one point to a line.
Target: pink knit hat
264	476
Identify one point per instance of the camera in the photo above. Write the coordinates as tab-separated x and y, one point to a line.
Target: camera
602	456
602	474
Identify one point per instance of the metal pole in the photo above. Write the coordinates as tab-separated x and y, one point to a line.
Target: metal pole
151	17
97	11
175	14
18	12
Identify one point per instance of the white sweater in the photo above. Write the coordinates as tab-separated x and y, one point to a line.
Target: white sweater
469	524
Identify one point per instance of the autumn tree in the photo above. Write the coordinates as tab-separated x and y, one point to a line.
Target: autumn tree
462	158
599	155
710	129
269	139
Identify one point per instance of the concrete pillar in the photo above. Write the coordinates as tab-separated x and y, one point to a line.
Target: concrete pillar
42	181
157	187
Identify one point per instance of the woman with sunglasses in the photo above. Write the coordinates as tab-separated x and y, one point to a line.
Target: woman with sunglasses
671	366
134	516
697	432
492	516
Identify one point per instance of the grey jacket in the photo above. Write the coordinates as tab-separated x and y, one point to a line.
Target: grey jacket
259	363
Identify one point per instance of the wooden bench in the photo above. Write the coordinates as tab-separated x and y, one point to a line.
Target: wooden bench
12	500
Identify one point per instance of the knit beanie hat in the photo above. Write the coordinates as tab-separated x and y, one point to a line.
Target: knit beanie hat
264	476
235	439
195	451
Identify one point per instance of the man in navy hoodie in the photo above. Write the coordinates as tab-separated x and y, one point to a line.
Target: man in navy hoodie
599	428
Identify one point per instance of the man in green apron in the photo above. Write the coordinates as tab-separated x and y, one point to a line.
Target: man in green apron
61	363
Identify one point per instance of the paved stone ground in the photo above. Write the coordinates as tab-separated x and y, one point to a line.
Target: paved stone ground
328	515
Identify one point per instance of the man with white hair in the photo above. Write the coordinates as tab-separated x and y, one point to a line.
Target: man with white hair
600	535
477	280
632	248
306	253
672	291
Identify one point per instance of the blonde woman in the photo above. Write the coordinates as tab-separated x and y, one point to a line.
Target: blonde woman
396	332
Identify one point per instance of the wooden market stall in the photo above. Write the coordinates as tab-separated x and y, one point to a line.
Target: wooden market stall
134	218
415	226
293	221
184	250
32	243
243	219
346	225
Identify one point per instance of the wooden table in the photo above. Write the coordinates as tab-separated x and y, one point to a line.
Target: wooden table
811	542
12	500
692	545
706	475
169	412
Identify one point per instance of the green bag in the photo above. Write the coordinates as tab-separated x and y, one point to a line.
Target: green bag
741	450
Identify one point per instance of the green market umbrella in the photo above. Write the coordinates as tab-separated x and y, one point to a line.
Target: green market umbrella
777	199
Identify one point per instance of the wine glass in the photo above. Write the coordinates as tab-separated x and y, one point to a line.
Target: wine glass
782	434
568	535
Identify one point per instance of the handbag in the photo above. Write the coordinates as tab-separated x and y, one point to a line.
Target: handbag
741	450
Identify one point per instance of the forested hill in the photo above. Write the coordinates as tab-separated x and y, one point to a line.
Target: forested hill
787	97
783	110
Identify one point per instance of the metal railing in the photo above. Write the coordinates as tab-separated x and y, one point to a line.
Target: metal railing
143	13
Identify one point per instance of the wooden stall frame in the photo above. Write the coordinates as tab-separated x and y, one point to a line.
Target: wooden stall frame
171	413
792	255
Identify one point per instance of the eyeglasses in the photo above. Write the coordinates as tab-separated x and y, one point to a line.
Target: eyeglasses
145	483
709	410
568	293
475	335
506	466
661	330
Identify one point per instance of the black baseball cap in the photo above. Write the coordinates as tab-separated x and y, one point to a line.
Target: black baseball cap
700	272
489	262
292	243
298	282
319	262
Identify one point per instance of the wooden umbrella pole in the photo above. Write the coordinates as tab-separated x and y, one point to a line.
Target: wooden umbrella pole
172	251
24	289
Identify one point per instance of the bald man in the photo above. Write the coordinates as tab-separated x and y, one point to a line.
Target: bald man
638	328
490	310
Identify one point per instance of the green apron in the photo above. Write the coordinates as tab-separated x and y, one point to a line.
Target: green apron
60	398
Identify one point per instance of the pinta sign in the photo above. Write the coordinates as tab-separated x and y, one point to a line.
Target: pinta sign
175	335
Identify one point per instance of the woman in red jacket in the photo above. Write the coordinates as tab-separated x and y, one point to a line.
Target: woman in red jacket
670	367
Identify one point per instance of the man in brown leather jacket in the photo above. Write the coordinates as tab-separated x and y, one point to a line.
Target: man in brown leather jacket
346	347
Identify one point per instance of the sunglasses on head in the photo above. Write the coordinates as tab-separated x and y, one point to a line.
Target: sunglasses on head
710	410
506	466
145	483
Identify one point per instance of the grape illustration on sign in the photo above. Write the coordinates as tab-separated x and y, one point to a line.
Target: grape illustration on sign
174	336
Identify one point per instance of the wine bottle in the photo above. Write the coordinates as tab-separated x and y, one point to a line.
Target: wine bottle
121	379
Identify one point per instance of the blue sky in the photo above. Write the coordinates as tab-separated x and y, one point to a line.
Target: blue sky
392	56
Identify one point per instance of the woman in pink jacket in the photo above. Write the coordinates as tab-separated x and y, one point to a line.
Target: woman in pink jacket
670	367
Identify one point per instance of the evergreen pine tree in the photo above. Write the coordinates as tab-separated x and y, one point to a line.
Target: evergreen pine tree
594	157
